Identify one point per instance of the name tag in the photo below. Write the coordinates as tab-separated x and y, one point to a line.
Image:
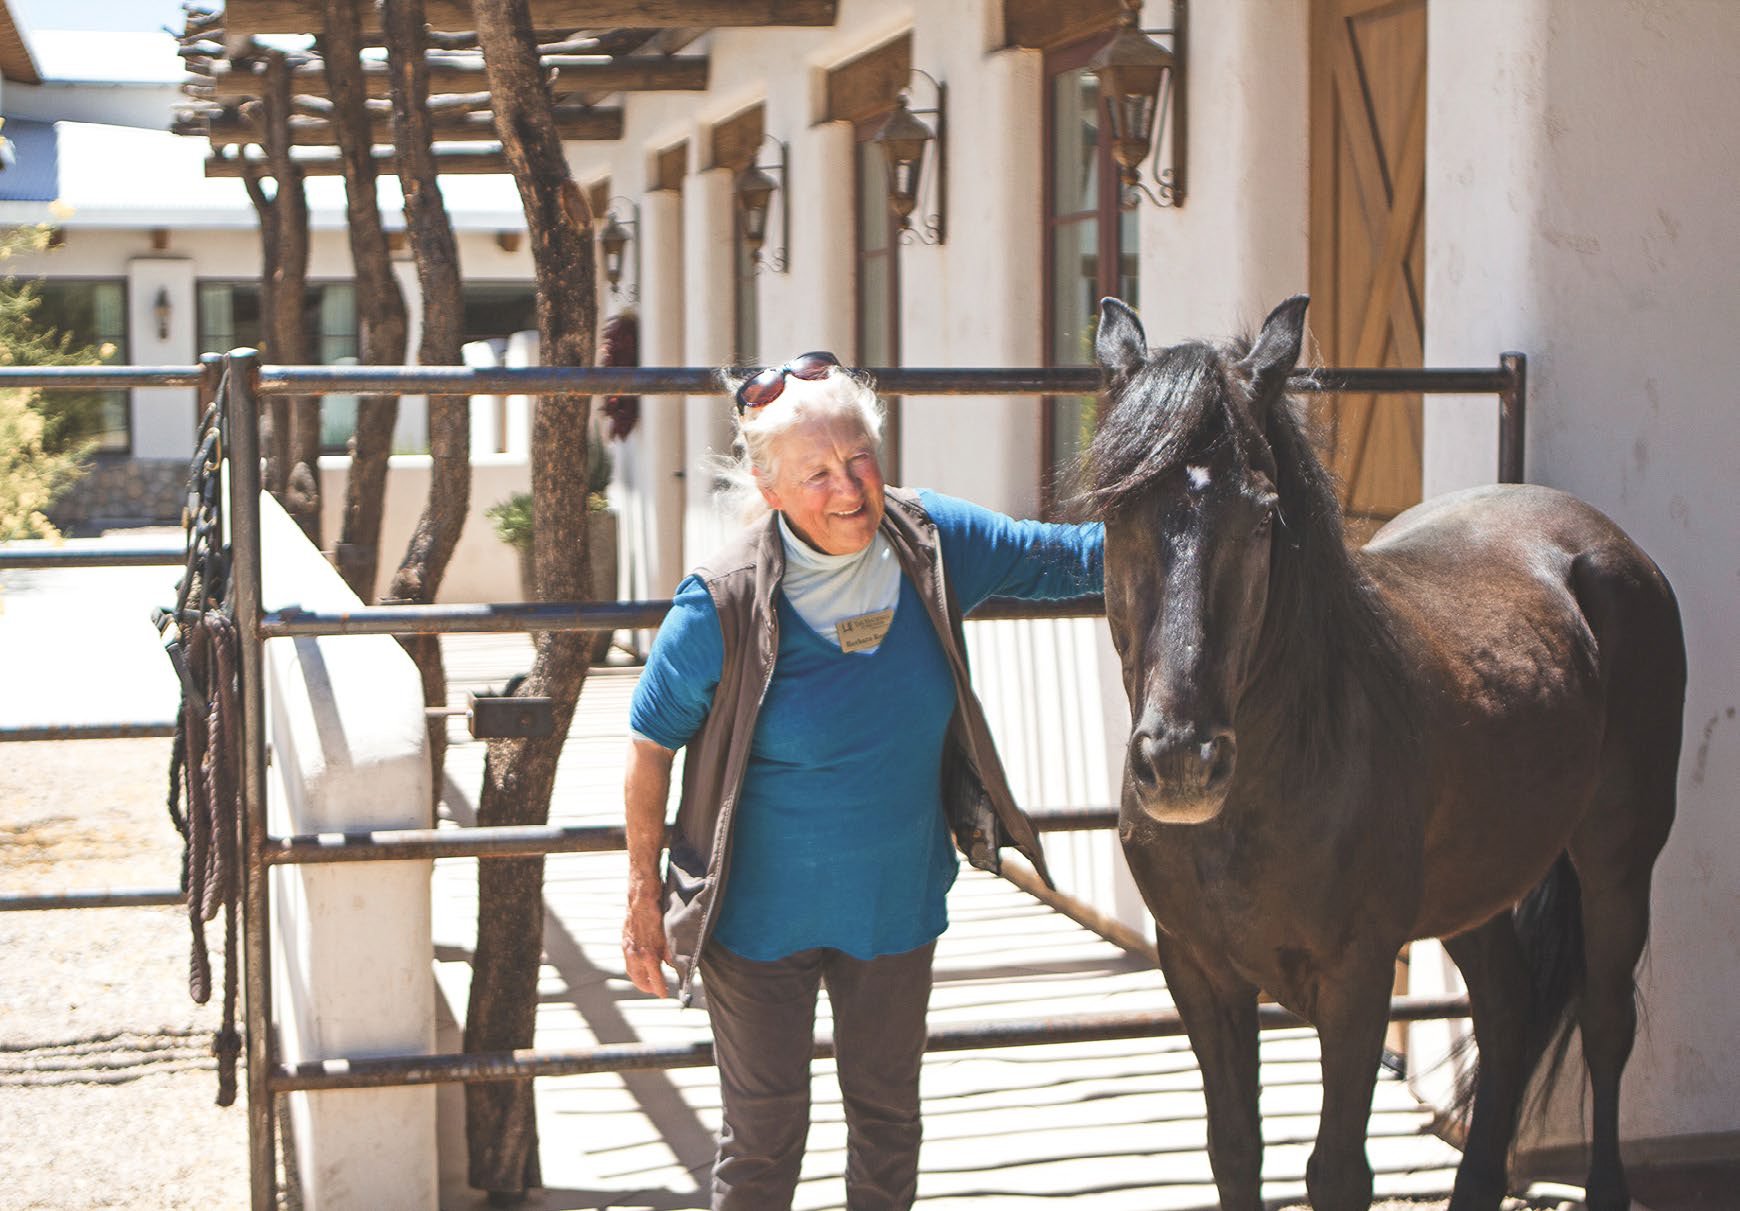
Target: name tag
863	630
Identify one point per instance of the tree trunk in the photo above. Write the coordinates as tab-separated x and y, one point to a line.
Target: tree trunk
519	774
437	256
380	307
290	286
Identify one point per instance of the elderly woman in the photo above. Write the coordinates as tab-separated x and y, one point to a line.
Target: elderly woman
815	671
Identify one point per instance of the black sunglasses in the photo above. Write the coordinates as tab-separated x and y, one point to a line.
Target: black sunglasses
762	388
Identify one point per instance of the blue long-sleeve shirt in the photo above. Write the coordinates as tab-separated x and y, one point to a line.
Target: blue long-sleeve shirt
839	837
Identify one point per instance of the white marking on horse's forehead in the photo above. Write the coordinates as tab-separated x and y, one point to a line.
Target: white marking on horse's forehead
1198	478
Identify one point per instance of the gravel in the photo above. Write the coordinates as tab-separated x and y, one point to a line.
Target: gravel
107	1084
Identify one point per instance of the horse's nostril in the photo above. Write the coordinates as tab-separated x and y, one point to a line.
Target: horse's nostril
1218	757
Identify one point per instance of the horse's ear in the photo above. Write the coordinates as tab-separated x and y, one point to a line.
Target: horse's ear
1276	351
1120	345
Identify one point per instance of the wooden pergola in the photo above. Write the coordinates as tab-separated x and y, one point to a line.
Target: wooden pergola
590	50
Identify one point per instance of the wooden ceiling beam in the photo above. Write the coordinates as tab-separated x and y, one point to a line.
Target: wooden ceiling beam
308	16
572	122
575	73
447	163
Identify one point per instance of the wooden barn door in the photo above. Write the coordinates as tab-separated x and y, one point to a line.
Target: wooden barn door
1368	193
1368	256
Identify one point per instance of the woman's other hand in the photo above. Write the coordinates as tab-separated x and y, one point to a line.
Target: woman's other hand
646	790
643	944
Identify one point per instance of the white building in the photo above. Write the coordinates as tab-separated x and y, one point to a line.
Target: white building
160	263
1449	178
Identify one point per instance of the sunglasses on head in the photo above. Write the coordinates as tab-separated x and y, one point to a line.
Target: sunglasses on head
762	388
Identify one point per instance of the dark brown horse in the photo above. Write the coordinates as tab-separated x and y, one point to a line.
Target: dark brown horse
1467	729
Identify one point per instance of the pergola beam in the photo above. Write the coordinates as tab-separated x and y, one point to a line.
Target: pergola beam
575	73
327	164
308	16
572	122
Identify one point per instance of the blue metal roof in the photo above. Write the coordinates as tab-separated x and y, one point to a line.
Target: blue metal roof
35	172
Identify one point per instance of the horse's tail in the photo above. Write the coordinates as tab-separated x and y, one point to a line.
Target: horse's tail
1549	924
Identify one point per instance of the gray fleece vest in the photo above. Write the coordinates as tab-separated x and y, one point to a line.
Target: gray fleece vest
742	580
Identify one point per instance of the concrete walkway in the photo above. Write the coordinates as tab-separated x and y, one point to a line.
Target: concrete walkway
77	644
1099	1126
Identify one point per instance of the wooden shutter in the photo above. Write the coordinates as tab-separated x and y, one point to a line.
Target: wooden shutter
1368	158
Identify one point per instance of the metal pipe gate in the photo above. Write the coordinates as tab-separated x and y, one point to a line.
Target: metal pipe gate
248	382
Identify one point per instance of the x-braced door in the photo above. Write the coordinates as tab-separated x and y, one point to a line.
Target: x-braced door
1368	194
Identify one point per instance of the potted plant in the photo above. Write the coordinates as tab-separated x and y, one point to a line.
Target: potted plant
512	519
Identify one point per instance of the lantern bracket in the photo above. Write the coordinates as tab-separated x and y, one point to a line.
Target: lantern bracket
763	181
1171	123
612	238
932	228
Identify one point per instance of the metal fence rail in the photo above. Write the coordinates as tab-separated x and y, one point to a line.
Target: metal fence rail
532	840
146	729
54	558
164	897
379	1072
247	382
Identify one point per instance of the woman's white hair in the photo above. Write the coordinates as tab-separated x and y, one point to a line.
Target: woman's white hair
844	394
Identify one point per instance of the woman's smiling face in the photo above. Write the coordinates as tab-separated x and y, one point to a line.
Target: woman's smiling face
827	482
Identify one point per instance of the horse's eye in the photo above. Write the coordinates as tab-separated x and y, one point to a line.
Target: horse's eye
1266	521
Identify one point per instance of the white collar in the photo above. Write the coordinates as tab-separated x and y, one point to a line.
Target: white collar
806	561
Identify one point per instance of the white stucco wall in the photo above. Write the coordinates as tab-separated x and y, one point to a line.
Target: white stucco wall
483	568
1580	190
351	959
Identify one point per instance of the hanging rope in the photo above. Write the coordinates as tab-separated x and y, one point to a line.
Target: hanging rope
205	762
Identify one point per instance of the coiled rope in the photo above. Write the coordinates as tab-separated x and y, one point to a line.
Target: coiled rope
205	763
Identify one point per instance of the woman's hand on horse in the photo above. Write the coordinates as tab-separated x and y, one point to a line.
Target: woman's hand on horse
643	945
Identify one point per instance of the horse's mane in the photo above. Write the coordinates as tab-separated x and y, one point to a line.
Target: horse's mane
1326	635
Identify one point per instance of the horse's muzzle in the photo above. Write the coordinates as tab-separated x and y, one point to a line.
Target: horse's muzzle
1182	779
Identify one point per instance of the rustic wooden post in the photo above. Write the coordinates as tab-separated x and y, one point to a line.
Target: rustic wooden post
289	284
519	774
437	257
380	306
275	421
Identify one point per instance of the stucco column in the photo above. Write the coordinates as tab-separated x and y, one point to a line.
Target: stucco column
707	310
162	418
976	301
1241	241
811	305
659	464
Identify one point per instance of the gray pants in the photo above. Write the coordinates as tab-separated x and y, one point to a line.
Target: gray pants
763	1017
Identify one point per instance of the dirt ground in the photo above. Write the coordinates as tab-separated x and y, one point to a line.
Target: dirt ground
107	1083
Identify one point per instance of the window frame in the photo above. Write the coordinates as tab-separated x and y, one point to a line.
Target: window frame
1060	60
124	347
315	335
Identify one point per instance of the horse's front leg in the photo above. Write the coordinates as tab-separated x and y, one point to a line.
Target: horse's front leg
1351	1010
1220	1015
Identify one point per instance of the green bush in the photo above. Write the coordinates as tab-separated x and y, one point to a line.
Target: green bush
512	518
31	476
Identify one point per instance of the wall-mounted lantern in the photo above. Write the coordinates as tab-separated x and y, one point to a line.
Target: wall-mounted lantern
903	139
614	241
755	188
1142	83
163	311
